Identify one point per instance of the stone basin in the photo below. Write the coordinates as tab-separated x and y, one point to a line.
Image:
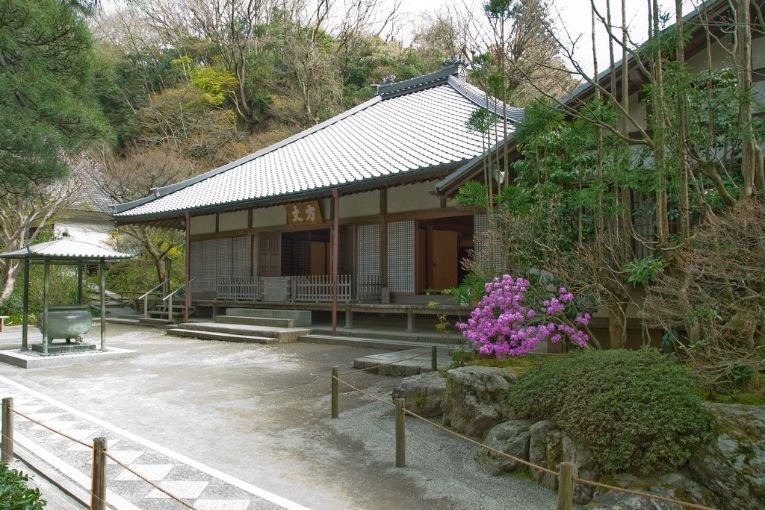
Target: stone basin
67	322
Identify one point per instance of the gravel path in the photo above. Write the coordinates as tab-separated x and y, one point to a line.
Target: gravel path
261	414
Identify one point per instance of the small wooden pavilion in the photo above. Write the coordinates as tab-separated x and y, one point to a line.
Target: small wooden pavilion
64	251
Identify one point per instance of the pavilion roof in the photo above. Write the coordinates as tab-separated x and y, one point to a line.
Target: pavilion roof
65	249
407	131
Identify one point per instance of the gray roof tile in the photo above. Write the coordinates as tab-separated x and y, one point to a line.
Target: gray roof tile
422	127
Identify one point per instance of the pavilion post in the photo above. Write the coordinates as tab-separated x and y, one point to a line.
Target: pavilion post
102	289
186	270
335	236
25	318
79	283
46	299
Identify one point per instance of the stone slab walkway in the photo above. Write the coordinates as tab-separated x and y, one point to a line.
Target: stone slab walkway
198	485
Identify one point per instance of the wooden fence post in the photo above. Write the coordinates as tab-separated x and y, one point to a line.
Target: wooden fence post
400	433
98	480
434	358
7	440
566	486
335	392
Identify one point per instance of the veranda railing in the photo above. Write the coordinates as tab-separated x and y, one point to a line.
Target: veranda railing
287	289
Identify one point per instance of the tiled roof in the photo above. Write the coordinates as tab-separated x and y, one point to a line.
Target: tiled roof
65	249
423	127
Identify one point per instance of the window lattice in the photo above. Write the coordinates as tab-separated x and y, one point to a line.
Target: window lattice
401	257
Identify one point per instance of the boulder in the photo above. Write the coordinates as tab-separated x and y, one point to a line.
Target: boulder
673	485
510	437
475	399
732	465
548	447
546	450
424	393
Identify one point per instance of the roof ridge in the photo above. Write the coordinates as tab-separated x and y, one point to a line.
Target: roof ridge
423	82
172	188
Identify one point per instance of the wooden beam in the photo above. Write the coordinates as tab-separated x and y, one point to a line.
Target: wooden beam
335	254
186	270
25	317
102	291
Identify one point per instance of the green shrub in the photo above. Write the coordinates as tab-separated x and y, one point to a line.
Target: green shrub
14	493
637	410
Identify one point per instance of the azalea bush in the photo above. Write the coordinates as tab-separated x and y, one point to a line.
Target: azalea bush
506	323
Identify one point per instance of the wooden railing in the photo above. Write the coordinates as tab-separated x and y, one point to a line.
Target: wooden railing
318	288
369	287
239	289
285	289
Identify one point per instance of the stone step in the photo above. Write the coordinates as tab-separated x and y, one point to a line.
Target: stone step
408	336
281	334
371	343
124	320
150	321
223	337
256	321
403	363
300	318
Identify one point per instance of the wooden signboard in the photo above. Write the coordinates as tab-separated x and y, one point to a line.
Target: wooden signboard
304	213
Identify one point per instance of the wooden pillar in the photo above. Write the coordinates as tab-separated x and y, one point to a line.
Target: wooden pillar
168	262
384	237
102	290
46	298
7	431
187	269
25	318
98	475
335	253
79	282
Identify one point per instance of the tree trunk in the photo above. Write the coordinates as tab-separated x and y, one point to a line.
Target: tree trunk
9	280
617	324
751	164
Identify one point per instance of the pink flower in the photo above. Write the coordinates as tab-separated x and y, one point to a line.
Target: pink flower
503	325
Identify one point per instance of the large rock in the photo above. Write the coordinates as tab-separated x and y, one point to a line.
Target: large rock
510	437
424	393
548	447
673	485
546	450
475	399
732	465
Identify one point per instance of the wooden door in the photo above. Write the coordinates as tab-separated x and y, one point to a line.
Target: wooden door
444	259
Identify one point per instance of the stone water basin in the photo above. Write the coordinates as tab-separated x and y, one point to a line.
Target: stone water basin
67	322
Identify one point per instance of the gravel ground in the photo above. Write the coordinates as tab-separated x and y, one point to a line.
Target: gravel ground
261	414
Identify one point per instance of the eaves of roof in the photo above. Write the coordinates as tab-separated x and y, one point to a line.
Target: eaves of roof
428	173
172	188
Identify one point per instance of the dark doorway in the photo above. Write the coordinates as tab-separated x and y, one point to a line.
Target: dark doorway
305	253
442	244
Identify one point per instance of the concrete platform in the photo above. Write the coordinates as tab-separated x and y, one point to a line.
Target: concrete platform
403	363
33	359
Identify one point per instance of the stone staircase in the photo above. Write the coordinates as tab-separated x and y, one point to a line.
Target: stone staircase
249	326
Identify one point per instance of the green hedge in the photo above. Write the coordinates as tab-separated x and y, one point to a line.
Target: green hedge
14	493
637	410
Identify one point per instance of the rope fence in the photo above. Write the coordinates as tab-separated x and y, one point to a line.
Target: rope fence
566	474
97	490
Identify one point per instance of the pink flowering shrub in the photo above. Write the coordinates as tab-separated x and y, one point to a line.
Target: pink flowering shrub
503	324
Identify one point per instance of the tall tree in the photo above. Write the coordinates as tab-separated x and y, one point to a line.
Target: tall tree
46	105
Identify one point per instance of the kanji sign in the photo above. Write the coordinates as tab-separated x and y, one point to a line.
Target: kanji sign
304	213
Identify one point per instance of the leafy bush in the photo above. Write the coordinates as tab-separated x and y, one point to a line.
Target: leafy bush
637	410
14	493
